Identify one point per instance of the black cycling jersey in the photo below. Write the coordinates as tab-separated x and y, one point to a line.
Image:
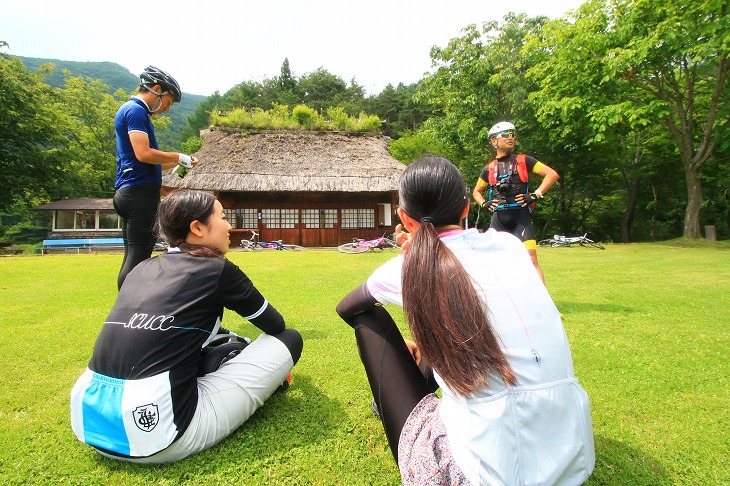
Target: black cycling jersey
161	324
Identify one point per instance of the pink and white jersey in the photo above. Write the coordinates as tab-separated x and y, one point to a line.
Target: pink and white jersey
539	431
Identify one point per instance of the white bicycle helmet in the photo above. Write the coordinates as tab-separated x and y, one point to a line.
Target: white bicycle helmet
499	128
152	76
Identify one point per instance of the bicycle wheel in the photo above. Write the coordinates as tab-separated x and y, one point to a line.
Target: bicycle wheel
246	245
293	247
352	248
593	244
388	243
254	246
548	242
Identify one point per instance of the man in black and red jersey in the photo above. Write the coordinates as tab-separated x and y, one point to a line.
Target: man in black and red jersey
509	196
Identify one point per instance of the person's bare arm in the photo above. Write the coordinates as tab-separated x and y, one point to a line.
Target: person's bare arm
144	153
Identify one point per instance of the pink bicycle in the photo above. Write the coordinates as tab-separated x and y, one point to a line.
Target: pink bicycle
360	245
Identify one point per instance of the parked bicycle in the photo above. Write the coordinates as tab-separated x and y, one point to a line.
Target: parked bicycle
557	241
360	245
253	244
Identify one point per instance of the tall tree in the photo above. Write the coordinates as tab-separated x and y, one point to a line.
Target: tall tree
479	80
200	118
671	59
286	81
31	139
321	89
571	105
89	127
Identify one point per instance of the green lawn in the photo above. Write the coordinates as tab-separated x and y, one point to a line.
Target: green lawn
648	325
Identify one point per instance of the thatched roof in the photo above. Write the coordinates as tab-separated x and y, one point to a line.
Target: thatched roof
80	204
291	161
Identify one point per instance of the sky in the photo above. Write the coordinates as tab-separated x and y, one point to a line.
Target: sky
210	45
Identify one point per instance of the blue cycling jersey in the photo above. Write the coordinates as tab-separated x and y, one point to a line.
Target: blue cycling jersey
133	116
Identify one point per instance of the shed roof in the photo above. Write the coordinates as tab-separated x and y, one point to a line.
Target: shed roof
82	203
291	161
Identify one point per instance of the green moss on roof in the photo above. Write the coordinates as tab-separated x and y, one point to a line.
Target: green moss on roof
301	117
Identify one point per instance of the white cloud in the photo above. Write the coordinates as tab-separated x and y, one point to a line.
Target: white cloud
215	44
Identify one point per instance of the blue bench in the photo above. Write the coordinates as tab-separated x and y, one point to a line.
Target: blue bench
79	244
88	244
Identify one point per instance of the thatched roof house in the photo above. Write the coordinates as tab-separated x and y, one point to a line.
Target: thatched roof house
309	188
292	161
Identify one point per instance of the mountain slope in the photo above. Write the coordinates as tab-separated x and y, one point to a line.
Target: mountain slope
116	76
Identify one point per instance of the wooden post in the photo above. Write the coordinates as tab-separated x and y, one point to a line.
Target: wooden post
711	232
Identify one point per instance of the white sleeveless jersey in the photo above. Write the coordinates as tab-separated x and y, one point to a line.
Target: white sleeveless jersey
539	431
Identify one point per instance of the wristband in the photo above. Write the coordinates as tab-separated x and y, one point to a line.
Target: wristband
538	194
185	161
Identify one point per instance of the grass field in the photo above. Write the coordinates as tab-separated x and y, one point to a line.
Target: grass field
648	324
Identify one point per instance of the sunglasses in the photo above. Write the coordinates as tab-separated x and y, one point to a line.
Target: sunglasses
505	134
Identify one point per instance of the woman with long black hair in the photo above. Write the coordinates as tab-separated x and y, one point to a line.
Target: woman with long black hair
485	328
157	388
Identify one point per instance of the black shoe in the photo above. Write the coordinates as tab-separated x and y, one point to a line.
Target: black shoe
376	412
284	386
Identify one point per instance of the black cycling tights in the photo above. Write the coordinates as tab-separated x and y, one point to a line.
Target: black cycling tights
395	380
137	205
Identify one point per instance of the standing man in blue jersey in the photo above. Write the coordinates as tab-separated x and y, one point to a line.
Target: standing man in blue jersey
140	164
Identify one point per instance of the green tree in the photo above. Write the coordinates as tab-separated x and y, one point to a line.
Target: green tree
200	118
659	63
57	143
412	145
387	106
479	80
90	154
286	81
32	165
321	89
247	94
572	106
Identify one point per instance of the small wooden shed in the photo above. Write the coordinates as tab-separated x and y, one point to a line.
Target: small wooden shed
315	189
83	218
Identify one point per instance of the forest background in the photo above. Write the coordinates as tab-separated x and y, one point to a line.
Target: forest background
628	100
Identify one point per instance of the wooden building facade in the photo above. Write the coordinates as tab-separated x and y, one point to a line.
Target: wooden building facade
83	218
315	189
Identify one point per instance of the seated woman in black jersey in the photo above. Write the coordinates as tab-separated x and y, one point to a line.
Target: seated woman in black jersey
141	399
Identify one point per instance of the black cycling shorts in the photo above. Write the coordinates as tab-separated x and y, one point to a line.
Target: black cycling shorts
515	221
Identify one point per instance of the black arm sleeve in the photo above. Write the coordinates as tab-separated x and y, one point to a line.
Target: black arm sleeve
356	302
238	293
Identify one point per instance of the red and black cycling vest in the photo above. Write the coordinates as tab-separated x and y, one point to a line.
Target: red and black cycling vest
517	164
521	169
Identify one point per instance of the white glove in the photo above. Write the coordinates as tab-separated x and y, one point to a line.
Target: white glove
185	161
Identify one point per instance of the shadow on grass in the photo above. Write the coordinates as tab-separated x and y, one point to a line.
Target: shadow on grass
299	418
617	463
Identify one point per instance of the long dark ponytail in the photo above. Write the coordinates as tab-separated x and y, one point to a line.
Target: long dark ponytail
447	317
175	214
